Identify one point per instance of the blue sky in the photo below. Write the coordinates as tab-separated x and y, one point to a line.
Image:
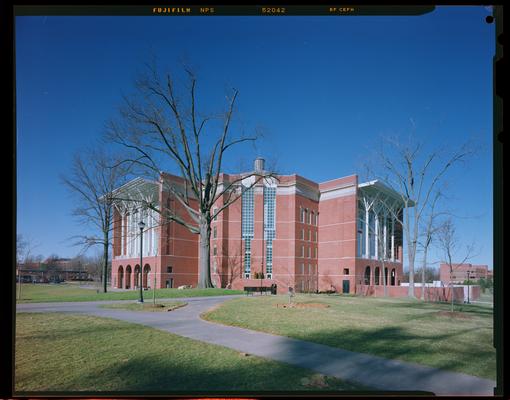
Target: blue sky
324	89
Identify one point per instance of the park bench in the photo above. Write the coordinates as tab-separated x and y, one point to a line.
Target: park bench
260	289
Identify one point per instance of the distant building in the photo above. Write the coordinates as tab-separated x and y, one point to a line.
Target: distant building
296	232
463	272
53	269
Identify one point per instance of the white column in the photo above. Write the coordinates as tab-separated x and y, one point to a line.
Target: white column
128	235
154	235
367	228
146	236
385	235
151	233
137	232
122	234
376	242
154	228
392	238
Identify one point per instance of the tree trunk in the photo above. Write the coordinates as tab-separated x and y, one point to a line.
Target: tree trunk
423	273
411	248
411	277
105	263
204	276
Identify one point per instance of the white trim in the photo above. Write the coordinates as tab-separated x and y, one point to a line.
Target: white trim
337	192
338	223
299	189
338	241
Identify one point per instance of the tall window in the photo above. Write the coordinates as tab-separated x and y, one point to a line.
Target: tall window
361	233
215	232
247	257
247	226
367	275
371	233
269	225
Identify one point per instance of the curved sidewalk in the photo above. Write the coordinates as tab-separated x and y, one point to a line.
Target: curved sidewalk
372	371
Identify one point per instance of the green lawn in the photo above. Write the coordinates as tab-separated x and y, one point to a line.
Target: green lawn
403	329
148	306
60	352
42	293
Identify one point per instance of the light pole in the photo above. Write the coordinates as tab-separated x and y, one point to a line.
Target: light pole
141	225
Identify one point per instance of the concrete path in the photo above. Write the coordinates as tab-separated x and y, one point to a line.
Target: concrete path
372	371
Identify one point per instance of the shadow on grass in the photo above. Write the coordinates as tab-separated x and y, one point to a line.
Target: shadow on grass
397	344
441	306
158	376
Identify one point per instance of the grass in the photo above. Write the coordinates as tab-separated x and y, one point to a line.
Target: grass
70	353
43	293
158	307
403	329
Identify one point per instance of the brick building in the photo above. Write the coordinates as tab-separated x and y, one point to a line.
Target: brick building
461	272
297	233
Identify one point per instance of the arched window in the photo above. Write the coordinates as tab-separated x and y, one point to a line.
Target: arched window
393	277
128	277
120	277
376	276
146	273
137	276
367	275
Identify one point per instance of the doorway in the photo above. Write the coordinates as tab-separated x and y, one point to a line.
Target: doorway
345	286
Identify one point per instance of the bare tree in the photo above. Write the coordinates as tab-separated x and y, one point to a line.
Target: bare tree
452	249
430	230
414	173
24	249
158	126
93	177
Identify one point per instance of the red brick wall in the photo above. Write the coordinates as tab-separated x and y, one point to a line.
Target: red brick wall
337	233
460	272
431	294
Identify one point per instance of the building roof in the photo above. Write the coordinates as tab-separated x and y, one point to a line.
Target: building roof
378	186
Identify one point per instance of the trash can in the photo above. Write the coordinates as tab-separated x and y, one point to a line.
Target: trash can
273	288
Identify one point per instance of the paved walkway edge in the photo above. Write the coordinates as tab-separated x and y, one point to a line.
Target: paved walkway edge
372	371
